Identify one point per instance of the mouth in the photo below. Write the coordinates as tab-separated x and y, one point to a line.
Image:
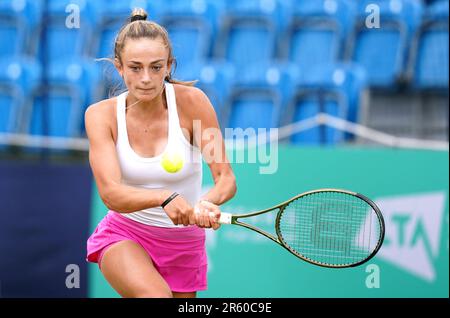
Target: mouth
145	89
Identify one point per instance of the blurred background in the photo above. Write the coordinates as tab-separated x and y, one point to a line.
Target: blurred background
359	89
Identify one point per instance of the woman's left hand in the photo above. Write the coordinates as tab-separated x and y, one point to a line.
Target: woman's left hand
207	214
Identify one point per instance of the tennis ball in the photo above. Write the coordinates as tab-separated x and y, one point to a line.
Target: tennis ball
172	162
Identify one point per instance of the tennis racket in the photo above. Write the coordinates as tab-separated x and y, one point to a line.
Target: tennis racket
326	227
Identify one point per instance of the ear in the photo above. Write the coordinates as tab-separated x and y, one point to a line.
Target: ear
169	66
118	66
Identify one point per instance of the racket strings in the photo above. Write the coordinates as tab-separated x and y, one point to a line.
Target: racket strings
331	228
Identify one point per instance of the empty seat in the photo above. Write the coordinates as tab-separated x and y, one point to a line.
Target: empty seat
58	108
69	29
215	79
20	78
317	32
258	97
383	50
335	89
192	26
111	83
19	27
428	67
248	32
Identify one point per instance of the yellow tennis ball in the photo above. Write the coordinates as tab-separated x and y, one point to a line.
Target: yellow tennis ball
172	162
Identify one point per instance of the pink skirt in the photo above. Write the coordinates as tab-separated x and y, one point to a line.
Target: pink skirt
179	254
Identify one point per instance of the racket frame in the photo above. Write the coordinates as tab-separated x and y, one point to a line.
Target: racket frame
229	218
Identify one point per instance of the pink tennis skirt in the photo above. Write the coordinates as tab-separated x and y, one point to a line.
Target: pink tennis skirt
179	254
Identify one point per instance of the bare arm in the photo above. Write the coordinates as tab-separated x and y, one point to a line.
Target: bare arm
213	151
105	167
209	140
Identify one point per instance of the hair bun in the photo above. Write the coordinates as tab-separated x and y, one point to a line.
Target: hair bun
138	14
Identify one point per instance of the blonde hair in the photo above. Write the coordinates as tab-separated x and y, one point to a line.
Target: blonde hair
138	27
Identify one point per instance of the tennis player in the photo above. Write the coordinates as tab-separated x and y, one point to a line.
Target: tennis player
151	243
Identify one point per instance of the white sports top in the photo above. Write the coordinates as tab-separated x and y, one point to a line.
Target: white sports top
148	173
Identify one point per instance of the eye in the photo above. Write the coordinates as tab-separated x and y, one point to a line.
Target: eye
157	68
135	68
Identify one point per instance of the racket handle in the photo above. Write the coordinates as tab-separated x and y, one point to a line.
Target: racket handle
225	218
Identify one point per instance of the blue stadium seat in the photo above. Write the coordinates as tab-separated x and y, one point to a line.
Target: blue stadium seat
317	32
248	32
19	26
349	79
215	79
113	15
258	96
19	79
192	26
69	28
428	67
335	89
383	51
111	82
68	94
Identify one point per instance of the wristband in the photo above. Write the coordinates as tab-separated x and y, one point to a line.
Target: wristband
172	196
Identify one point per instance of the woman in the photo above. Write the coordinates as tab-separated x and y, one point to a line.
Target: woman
151	243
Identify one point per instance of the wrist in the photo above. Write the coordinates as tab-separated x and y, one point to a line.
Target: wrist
164	194
208	200
169	199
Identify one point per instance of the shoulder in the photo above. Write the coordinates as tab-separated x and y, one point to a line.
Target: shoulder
193	102
189	93
101	114
104	109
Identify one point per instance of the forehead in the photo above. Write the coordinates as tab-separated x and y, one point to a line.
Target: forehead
144	50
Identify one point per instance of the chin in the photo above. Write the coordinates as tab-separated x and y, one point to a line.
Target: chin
146	97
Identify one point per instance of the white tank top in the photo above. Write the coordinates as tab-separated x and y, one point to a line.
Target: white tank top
147	172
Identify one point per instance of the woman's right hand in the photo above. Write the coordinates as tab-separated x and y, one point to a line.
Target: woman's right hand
180	211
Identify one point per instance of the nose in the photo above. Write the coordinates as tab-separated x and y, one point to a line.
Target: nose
146	77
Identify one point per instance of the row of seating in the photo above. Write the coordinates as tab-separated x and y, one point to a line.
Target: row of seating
248	82
269	96
410	46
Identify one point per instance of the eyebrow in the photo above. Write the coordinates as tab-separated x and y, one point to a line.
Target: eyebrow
153	62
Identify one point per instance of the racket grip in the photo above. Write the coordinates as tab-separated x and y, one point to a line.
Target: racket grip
225	218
